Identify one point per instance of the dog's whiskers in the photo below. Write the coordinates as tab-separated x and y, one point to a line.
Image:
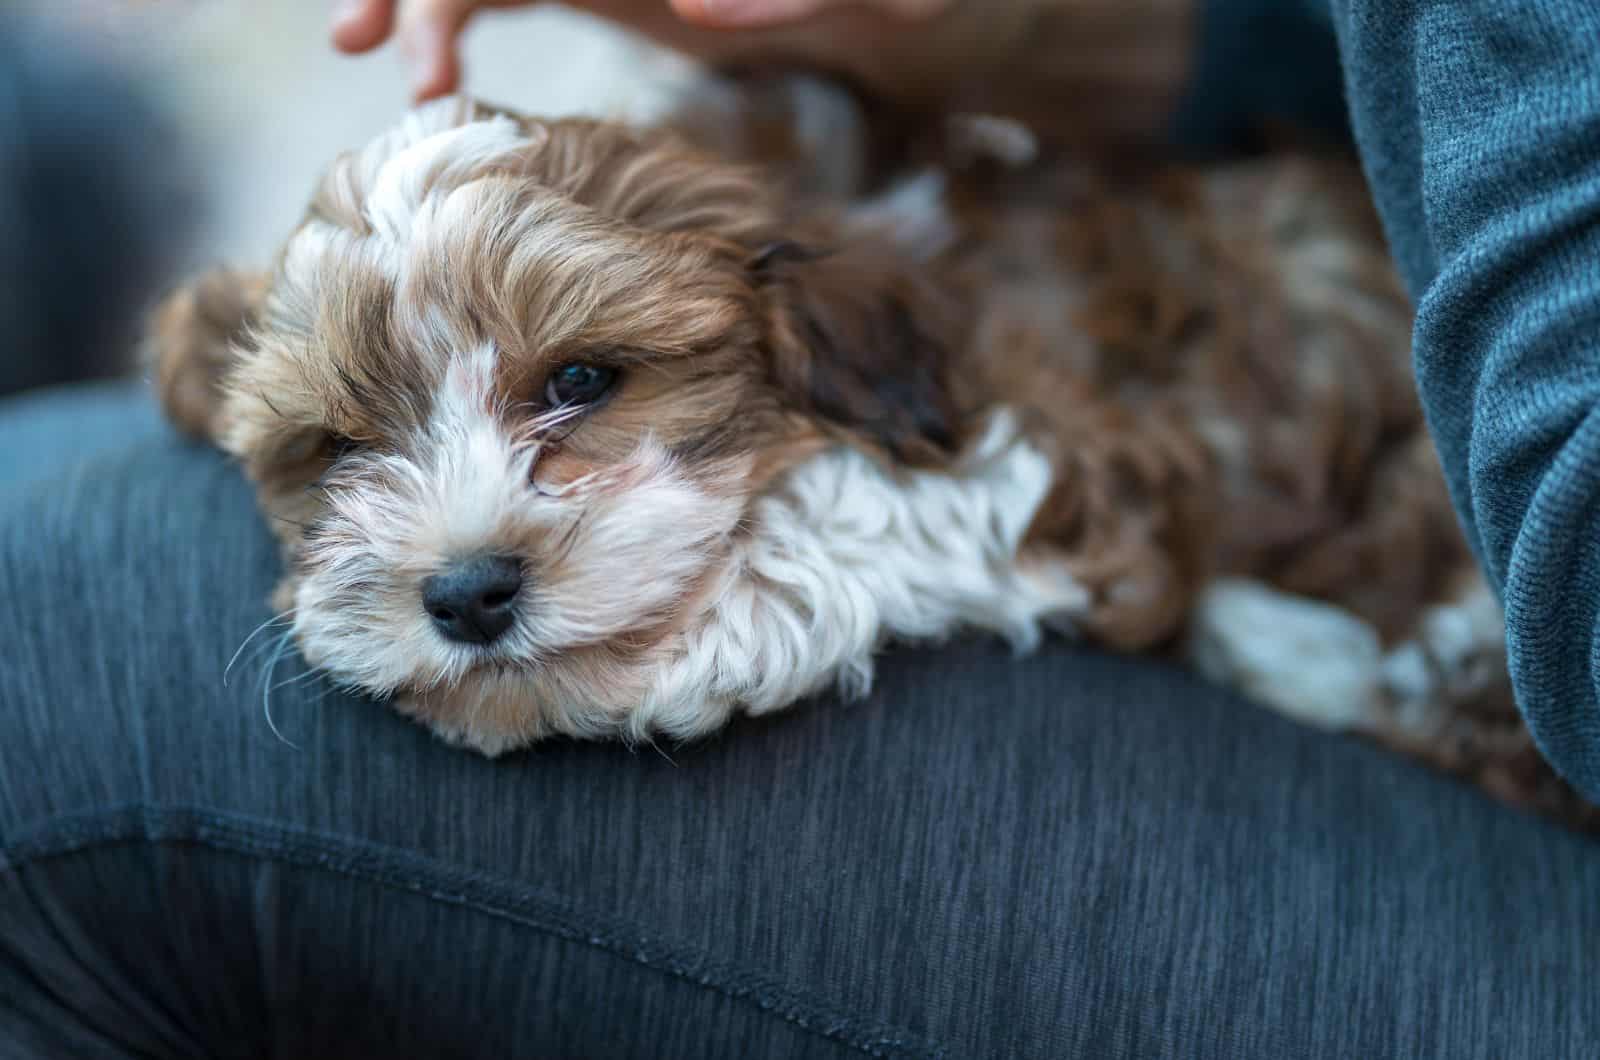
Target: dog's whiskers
307	676
267	688
555	417
281	616
541	422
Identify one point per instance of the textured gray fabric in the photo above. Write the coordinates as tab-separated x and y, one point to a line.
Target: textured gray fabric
50	430
1067	855
1479	126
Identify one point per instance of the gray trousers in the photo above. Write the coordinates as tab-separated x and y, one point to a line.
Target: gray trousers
1064	855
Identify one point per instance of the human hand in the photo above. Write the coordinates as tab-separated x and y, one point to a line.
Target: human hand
1091	73
429	31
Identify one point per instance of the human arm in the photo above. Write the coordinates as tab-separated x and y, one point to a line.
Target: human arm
1479	125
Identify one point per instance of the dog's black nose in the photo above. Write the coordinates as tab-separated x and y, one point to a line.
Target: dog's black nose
474	601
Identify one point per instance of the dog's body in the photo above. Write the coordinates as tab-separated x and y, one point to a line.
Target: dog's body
574	429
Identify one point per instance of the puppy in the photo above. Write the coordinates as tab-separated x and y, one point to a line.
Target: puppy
574	428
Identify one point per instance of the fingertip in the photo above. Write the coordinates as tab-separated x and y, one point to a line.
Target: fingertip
430	54
432	84
350	40
361	25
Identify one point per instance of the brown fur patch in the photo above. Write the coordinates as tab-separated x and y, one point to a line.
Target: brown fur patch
192	335
860	341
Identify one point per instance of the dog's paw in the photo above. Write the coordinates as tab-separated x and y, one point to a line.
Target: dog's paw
1465	640
1311	661
1062	601
1457	653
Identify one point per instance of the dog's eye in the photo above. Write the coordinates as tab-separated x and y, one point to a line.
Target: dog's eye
578	384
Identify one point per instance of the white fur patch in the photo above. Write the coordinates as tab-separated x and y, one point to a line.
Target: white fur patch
404	180
845	556
1459	650
913	214
1323	666
975	138
1311	661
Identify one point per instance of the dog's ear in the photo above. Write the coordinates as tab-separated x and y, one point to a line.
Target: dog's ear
861	343
195	336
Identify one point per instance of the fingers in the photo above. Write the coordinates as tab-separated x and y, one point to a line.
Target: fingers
361	25
748	14
426	30
429	35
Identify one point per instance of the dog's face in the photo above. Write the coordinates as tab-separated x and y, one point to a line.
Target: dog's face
510	392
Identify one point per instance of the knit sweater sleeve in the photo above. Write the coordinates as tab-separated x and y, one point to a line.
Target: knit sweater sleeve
1478	122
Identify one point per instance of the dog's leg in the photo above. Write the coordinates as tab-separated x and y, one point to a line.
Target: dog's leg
1456	655
1322	665
1450	704
1312	661
1441	695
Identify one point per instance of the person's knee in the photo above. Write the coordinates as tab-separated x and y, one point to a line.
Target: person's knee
118	580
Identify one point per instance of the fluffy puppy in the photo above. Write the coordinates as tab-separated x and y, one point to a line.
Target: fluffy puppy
570	427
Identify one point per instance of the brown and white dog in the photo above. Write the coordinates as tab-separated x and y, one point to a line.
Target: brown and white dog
570	427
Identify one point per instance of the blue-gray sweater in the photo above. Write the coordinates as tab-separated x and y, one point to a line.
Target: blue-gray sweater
1478	122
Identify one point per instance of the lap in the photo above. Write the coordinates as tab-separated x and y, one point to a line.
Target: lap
1062	855
47	432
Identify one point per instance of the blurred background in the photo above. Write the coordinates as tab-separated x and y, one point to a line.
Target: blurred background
142	139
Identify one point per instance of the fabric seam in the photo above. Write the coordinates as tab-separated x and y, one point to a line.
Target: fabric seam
418	874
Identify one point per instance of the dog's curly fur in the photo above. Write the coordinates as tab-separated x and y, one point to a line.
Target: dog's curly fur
860	399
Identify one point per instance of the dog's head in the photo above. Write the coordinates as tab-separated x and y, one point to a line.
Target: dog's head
511	389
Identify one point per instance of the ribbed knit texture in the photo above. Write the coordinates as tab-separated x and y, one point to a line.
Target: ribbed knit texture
1479	126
